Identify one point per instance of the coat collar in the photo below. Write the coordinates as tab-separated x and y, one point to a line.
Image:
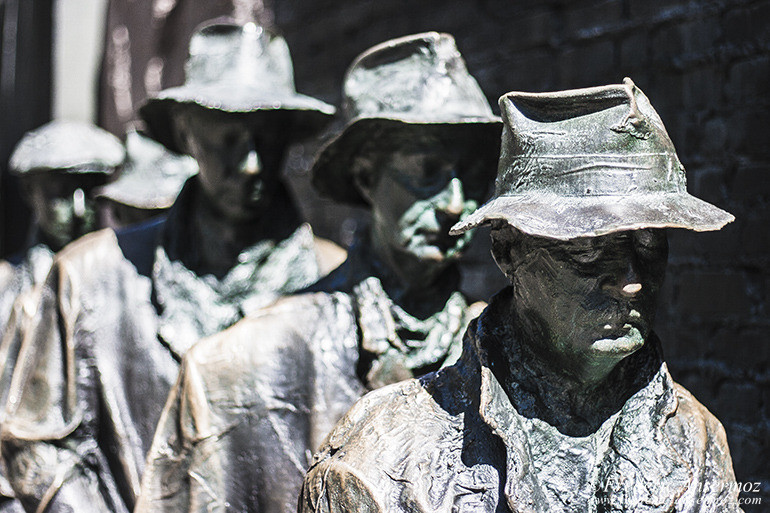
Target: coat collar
265	272
396	345
639	469
402	345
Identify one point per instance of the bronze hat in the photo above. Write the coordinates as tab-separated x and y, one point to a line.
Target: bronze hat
152	176
411	86
589	162
69	146
237	69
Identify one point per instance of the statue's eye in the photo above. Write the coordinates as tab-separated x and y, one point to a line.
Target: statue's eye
230	139
585	251
650	242
586	255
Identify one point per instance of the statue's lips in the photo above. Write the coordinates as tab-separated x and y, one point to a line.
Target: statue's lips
615	330
247	191
624	344
619	325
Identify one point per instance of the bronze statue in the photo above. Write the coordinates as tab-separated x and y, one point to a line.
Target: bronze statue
148	184
118	312
252	403
561	400
58	165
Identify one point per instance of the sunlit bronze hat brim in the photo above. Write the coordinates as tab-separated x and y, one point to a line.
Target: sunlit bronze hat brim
336	165
141	191
308	115
564	218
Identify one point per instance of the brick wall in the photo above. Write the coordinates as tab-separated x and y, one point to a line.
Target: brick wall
705	66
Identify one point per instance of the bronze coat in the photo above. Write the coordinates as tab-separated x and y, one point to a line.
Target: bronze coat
252	403
93	376
452	441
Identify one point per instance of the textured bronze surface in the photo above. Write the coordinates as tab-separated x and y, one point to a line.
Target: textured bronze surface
561	400
252	403
118	311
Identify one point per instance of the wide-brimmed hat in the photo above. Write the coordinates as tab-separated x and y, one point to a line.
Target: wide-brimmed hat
151	178
67	146
405	88
236	68
589	162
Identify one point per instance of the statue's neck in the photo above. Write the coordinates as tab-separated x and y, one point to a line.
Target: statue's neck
544	386
420	286
215	242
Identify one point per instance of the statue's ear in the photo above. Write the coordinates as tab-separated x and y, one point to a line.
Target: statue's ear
364	178
26	187
504	239
181	130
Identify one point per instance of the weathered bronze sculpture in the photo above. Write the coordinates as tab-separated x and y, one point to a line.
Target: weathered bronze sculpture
252	403
561	400
148	184
58	165
118	312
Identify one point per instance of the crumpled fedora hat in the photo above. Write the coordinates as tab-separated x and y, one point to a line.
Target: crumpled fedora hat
237	69
152	176
407	87
68	146
589	162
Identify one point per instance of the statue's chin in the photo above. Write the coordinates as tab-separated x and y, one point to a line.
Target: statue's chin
621	346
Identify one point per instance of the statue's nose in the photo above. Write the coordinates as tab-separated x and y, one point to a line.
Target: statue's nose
455	202
251	163
79	203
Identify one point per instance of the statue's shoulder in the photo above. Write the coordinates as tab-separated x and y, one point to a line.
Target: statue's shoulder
404	415
376	454
693	412
329	254
290	322
90	252
699	437
382	409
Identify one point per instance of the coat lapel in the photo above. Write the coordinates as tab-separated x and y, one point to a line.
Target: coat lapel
641	471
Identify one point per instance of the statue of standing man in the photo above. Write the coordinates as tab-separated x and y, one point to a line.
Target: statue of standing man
252	403
561	401
59	165
118	312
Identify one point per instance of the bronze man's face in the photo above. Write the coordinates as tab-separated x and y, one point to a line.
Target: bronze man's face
420	190
239	157
63	203
590	298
